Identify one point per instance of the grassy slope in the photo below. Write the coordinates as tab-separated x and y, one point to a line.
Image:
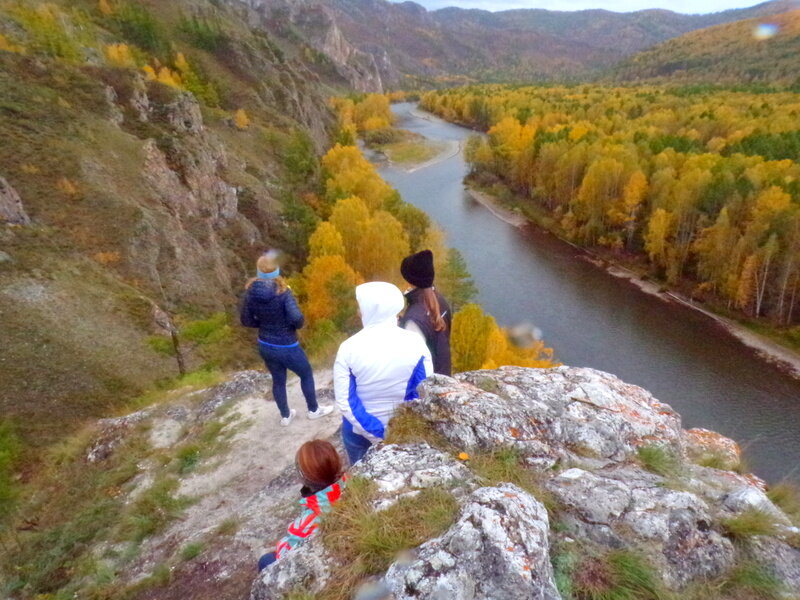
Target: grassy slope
76	301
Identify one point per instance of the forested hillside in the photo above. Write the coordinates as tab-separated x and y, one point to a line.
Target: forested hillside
705	186
753	51
415	47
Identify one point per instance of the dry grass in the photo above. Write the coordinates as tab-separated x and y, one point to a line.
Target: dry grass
749	523
507	465
366	542
616	575
786	496
408	427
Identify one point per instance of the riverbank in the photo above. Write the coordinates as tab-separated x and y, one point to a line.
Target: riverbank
768	349
495	207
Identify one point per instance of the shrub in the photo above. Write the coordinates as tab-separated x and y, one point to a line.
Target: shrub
204	33
138	26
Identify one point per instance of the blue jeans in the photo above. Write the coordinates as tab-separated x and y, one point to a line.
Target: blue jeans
280	358
266	561
356	445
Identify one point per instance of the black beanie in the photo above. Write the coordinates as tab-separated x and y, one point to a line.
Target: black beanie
417	269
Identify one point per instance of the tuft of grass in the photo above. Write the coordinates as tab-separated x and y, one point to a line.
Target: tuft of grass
368	541
188	458
408	427
507	465
749	523
660	460
617	575
153	510
299	595
751	581
786	496
227	527
747	581
192	550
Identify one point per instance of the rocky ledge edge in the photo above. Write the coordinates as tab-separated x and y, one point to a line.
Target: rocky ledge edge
613	464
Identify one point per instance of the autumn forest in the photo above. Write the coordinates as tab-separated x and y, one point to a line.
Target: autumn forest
702	185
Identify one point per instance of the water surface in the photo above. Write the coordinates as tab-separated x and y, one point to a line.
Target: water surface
596	320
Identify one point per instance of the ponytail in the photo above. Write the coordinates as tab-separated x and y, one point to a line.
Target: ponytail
431	302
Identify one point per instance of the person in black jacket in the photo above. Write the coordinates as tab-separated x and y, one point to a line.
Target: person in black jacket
270	306
428	313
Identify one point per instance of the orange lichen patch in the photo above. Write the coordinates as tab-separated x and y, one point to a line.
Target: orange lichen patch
702	444
463	456
510	495
515	433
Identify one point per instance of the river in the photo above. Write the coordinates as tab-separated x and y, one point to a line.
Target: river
593	319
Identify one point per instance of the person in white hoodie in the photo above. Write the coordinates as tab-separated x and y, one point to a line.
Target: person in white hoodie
377	369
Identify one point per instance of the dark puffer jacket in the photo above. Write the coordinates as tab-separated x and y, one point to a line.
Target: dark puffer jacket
276	316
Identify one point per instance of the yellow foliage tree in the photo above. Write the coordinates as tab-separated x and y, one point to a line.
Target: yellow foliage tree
241	120
349	217
8	46
350	174
120	55
169	77
478	343
329	284
105	7
149	73
326	241
469	338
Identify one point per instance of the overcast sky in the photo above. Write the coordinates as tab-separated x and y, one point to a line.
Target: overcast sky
684	6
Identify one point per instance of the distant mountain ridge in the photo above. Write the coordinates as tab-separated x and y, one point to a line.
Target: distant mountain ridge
412	44
731	53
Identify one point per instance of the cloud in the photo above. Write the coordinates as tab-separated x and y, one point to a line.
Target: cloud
684	6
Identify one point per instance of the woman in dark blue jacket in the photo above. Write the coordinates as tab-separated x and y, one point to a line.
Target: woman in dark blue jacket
270	306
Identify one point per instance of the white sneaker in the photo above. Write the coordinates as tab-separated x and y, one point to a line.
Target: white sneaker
286	420
322	411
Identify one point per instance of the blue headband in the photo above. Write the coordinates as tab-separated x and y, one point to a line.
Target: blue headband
273	275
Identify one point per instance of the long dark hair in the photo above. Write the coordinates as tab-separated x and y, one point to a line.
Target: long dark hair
431	301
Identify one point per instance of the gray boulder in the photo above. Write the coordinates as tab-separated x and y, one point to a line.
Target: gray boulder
498	549
548	414
402	470
11	209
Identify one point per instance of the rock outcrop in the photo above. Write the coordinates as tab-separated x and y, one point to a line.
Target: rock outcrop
317	22
11	209
584	438
498	549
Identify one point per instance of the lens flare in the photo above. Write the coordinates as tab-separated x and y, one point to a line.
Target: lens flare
765	31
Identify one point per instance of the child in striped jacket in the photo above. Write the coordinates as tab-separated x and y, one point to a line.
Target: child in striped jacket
323	482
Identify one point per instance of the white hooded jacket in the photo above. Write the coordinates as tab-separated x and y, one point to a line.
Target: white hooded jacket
381	366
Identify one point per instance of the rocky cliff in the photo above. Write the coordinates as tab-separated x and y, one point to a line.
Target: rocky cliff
130	199
569	484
